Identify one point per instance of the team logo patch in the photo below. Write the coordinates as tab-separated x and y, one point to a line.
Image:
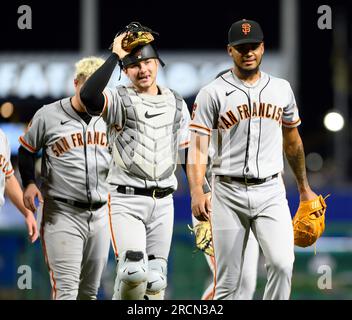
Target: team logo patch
246	28
193	111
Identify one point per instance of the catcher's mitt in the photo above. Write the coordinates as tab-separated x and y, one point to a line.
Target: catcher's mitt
307	227
202	232
136	35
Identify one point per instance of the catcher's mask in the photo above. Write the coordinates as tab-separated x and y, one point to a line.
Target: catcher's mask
139	54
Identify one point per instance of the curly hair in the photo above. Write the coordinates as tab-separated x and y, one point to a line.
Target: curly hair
87	66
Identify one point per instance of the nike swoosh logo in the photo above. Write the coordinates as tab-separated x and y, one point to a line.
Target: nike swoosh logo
64	122
228	93
149	116
129	273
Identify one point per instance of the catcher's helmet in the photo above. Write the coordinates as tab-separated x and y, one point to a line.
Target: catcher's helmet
141	53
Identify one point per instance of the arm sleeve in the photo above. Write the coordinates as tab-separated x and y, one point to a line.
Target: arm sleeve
92	91
26	165
31	142
290	117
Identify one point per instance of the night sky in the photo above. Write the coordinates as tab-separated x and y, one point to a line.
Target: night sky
191	25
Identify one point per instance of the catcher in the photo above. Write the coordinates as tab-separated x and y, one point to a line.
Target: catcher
147	127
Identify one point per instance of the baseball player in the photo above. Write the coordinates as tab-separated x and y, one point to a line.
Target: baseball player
74	193
250	264
252	117
147	125
10	186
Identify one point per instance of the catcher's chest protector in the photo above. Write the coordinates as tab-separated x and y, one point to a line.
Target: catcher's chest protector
147	144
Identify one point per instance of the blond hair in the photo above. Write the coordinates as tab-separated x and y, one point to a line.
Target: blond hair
87	66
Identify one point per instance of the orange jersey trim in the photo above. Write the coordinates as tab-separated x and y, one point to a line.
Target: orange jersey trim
105	103
290	124
26	145
212	293
197	126
10	172
111	228
184	144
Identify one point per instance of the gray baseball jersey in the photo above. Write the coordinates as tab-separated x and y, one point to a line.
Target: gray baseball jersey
6	169
74	227
75	155
246	122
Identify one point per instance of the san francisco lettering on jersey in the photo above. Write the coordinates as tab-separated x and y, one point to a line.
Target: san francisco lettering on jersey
75	140
258	110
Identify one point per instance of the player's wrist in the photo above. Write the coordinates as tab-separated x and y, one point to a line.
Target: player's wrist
29	182
115	56
304	188
196	191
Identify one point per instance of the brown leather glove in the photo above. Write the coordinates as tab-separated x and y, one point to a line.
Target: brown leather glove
134	39
307	227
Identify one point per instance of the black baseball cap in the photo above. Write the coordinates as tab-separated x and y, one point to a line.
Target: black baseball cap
141	53
245	31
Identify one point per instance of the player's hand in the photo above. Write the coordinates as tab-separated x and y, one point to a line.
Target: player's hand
30	193
117	46
31	226
307	195
201	205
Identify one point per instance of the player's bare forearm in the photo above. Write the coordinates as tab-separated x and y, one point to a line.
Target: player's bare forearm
195	175
196	168
294	151
14	192
196	162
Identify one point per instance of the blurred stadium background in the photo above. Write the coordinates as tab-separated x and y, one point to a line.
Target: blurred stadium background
36	68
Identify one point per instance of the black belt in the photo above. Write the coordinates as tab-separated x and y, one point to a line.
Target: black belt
247	181
82	205
152	192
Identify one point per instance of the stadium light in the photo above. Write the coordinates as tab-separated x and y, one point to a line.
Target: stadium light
334	121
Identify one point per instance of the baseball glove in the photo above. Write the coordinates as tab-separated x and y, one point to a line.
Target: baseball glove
134	39
307	227
136	35
202	232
